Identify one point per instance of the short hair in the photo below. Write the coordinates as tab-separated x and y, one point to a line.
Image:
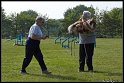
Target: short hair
86	14
39	18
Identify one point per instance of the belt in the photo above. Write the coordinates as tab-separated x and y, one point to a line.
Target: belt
32	39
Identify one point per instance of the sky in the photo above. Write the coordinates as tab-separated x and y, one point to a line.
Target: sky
55	9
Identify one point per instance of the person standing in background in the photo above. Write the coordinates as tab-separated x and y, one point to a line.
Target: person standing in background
87	41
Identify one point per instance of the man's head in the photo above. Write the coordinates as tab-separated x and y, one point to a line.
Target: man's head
86	15
39	20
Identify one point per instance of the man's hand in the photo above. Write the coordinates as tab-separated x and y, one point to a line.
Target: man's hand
36	37
45	36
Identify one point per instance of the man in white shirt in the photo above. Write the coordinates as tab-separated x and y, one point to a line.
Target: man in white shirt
33	48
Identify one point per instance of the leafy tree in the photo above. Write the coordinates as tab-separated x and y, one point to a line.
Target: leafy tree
54	26
109	23
3	19
112	21
25	19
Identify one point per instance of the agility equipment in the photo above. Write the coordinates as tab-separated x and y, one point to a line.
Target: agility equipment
19	40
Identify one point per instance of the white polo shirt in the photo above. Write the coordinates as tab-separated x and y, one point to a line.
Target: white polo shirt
35	29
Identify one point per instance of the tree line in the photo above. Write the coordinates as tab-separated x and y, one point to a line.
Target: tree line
109	23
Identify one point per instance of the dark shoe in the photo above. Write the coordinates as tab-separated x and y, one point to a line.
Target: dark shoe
80	70
23	72
46	72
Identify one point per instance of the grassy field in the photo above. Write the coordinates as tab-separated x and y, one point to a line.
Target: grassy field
107	62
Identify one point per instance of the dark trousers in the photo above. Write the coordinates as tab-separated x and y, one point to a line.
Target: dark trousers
32	48
86	51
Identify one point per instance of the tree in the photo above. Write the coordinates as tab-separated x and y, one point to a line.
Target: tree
12	27
3	22
24	21
112	21
54	26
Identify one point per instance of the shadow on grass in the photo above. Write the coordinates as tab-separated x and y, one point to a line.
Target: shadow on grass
109	73
34	74
100	72
61	77
57	77
115	74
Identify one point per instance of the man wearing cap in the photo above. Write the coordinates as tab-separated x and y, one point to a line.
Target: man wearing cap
33	48
86	41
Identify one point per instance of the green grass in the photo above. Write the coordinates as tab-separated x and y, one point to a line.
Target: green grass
107	62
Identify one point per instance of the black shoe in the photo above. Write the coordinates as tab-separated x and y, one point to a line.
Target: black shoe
80	70
23	72
46	72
